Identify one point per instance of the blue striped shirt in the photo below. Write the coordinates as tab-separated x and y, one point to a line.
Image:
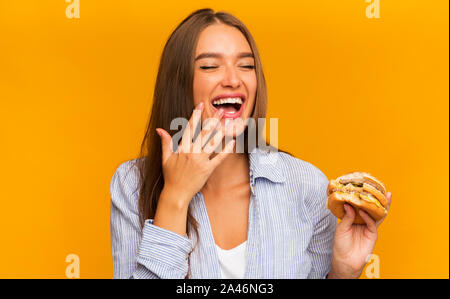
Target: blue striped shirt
290	232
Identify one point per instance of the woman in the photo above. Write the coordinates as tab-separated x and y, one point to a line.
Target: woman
217	213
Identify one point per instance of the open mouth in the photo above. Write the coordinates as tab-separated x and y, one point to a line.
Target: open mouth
231	104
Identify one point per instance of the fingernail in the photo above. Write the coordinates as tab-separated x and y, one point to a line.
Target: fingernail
158	132
200	106
221	112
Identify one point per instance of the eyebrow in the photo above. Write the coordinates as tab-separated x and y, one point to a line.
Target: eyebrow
218	55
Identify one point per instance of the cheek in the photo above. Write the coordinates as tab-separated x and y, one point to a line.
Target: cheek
251	86
202	87
197	90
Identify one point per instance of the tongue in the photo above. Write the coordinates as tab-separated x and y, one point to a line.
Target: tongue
228	108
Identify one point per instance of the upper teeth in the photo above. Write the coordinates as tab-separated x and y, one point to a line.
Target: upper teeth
228	101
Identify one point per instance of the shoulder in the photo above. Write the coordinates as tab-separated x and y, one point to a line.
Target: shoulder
308	181
298	171
125	181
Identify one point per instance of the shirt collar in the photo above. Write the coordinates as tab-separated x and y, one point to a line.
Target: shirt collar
265	164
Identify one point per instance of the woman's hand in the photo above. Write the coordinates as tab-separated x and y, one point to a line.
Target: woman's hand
187	170
353	243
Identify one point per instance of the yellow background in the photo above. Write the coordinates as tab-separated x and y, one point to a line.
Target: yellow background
351	93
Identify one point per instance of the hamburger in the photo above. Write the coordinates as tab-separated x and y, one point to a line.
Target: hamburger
360	190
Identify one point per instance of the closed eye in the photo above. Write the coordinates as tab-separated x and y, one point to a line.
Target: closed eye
251	67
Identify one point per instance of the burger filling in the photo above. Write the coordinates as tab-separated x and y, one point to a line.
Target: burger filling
357	189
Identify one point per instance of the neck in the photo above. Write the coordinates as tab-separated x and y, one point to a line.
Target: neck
233	170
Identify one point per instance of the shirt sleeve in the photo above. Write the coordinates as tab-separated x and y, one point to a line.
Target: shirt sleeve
321	244
148	252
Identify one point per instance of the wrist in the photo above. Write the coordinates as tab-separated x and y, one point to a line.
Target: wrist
334	274
175	199
171	212
340	270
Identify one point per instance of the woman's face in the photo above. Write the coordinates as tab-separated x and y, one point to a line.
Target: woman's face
224	75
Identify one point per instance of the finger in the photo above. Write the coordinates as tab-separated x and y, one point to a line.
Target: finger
223	154
208	129
371	225
191	127
348	218
215	143
222	131
389	200
388	205
166	144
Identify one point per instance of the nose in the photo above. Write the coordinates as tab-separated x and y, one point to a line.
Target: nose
231	78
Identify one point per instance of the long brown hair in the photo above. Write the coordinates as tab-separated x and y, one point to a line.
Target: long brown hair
173	97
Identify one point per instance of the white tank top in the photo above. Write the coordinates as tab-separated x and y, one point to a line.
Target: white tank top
233	261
